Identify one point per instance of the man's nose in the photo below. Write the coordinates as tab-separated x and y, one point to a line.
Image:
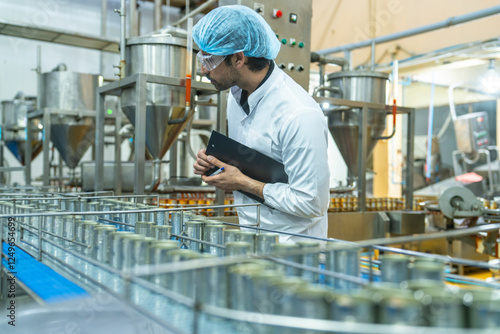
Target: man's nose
204	70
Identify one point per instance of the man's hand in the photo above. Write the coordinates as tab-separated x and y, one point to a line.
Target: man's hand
202	165
230	179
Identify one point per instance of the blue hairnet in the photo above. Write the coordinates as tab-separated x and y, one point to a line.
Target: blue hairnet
231	29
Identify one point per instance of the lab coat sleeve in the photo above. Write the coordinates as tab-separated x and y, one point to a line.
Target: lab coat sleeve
304	152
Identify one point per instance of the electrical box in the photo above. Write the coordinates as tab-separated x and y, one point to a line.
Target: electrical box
471	131
291	22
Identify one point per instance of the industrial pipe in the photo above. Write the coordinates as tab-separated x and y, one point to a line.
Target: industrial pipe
123	26
194	12
451	21
157	15
156	176
323	60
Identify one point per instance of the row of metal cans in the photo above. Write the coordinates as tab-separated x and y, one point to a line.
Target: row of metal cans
259	287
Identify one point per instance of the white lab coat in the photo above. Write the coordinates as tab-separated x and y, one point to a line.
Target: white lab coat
286	124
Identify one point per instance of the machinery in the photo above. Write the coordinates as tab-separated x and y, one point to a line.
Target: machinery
179	270
21	136
182	264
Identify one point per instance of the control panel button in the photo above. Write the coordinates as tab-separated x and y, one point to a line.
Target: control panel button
277	13
282	66
293	42
283	41
293	18
301	45
300	68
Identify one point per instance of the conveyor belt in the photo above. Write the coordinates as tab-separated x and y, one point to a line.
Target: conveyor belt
43	281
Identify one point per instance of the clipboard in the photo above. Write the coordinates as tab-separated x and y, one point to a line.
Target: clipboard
251	162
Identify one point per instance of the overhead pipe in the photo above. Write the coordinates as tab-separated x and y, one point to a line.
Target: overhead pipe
327	59
157	15
194	12
133	28
451	21
123	26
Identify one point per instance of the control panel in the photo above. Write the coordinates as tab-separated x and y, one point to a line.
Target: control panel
471	131
291	22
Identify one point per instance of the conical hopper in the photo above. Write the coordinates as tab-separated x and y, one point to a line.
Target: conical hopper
160	135
72	137
363	86
344	127
17	148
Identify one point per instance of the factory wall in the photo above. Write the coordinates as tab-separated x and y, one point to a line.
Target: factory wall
340	22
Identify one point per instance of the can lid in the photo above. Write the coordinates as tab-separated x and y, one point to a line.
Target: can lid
394	258
246	233
307	243
311	291
184	255
166	242
194	222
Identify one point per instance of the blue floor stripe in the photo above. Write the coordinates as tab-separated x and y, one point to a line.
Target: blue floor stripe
40	279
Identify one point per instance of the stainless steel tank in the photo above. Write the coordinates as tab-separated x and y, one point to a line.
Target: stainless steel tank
14	121
363	86
70	91
160	53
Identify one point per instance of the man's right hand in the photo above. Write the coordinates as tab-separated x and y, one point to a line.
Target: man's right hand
202	165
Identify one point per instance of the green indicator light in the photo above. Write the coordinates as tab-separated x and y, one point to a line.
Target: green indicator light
293	43
110	111
277	36
301	45
283	41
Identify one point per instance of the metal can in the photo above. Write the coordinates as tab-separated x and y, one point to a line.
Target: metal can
183	280
161	218
394	268
239	284
356	307
87	231
68	228
401	308
211	283
159	255
483	308
95	207
194	231
428	269
443	307
288	252
238	248
213	233
247	236
260	290
309	256
347	262
130	247
131	217
102	243
309	301
161	232
280	292
117	247
265	241
144	228
176	223
230	234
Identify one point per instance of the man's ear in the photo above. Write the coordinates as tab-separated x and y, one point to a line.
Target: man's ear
239	59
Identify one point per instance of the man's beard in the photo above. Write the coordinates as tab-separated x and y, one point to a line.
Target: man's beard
227	82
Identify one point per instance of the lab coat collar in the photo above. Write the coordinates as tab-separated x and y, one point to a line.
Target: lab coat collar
258	94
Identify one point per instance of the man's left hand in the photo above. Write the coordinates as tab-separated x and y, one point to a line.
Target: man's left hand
232	179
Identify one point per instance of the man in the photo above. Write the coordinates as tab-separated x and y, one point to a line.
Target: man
271	113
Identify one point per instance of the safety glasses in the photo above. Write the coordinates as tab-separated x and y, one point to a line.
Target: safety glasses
210	62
